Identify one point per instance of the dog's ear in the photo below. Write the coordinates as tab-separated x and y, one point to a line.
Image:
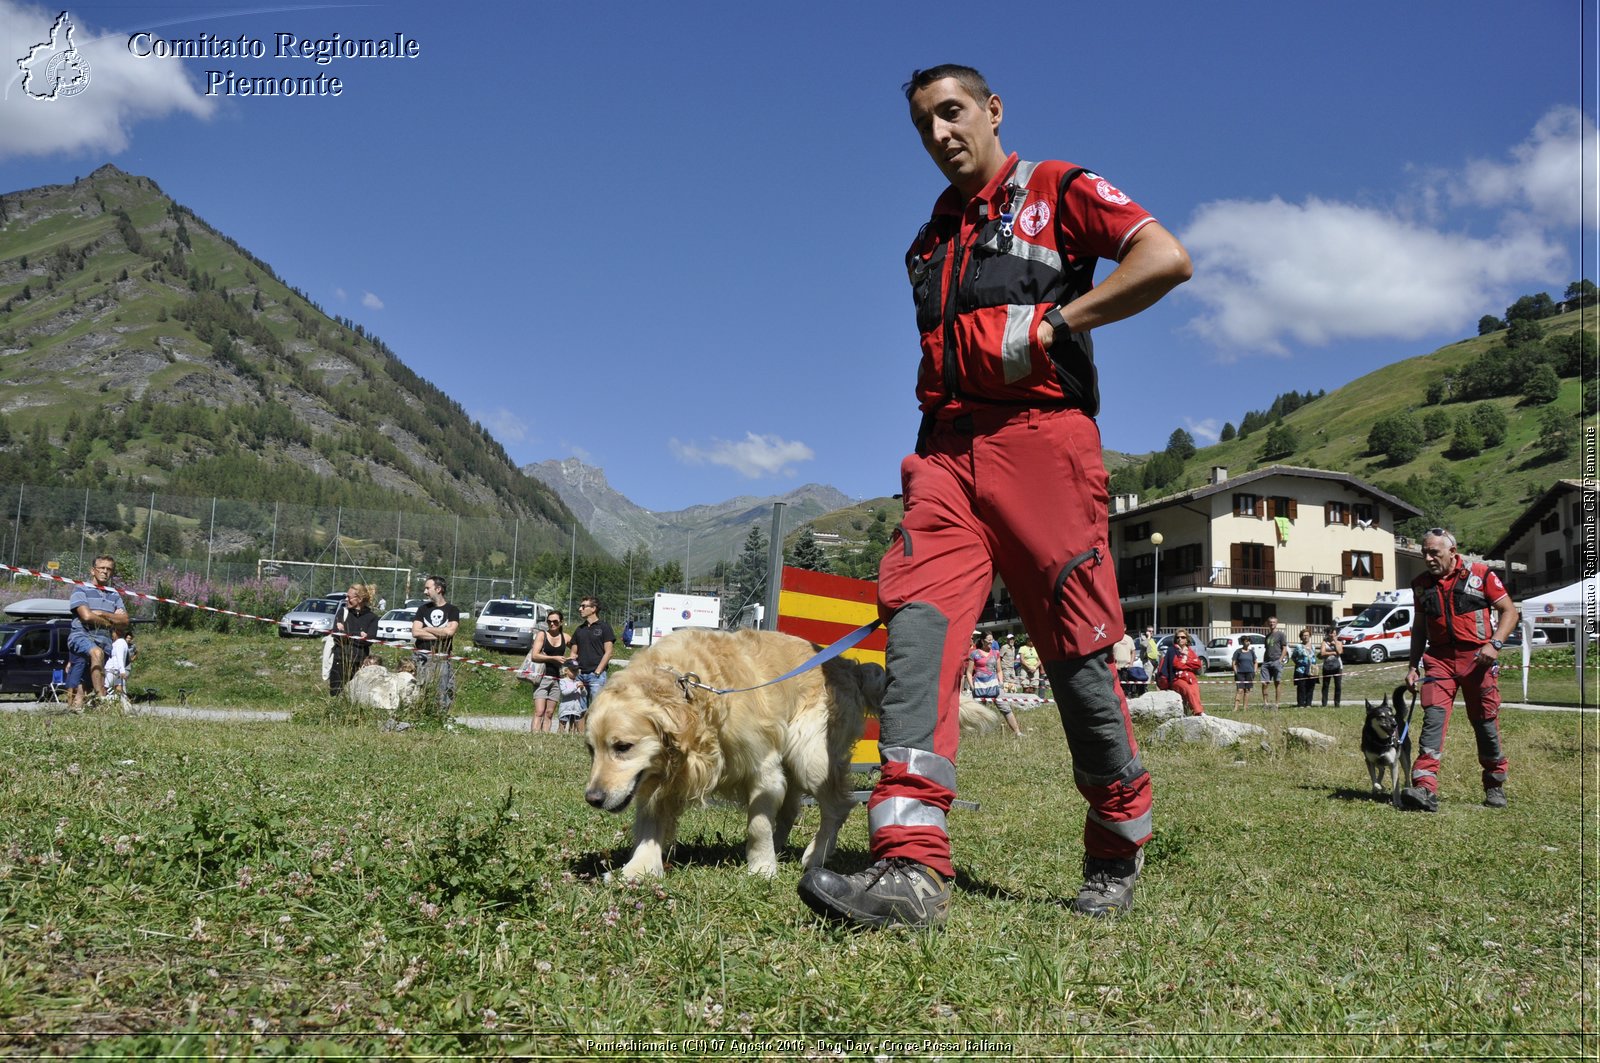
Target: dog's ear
1371	708
873	681
691	741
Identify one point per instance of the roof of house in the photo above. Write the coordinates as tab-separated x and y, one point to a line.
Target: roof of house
1536	512
1406	509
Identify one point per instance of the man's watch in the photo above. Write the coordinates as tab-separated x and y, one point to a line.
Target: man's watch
1497	644
1057	322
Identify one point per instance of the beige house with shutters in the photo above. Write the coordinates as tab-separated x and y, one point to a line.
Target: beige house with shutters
1308	546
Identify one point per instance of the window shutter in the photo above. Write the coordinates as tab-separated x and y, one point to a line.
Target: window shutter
1261	508
1294	508
1377	566
1236	562
1345	564
1327	512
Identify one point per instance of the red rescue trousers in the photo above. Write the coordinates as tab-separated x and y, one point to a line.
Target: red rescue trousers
1448	669
1021	492
1187	684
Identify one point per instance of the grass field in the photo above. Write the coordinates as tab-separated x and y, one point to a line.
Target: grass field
198	890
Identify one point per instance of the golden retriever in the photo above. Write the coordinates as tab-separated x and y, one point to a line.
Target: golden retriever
662	745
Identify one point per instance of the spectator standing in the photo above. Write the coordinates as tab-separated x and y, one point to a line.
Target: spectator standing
1006	386
1466	616
1244	676
627	632
117	662
572	699
595	641
96	609
1305	683
1028	658
355	623
1332	654
551	648
1008	659
1277	647
1152	650
434	631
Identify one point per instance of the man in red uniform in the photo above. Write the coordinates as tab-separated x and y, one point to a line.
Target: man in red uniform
1006	477
1466	616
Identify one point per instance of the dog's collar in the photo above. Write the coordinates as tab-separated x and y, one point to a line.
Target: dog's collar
685	680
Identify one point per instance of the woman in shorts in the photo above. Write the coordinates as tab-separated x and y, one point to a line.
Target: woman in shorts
542	667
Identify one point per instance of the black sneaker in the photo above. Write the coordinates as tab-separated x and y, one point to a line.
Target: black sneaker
1108	885
1494	796
891	892
1416	799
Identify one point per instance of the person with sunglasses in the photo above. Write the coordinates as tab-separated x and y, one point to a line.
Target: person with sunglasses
542	667
1180	669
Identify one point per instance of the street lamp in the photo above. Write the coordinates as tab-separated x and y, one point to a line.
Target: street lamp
1155	597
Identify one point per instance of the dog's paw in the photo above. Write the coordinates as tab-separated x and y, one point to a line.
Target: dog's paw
634	870
765	870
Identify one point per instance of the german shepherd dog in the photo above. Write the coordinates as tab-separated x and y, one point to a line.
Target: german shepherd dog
1386	742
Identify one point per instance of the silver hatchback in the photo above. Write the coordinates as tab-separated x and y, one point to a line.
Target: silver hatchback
312	618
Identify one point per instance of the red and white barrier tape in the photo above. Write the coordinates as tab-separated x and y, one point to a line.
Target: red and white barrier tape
128	592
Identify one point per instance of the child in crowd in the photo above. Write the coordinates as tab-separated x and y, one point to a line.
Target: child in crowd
1244	675
573	700
117	662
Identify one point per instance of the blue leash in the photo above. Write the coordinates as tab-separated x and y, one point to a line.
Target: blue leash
823	656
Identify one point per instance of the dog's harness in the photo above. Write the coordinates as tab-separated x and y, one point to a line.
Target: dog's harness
686	680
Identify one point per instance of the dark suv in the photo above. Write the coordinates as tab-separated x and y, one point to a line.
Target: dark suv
30	653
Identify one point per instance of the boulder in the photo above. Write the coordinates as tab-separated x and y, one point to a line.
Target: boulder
1156	706
1212	731
1306	738
379	688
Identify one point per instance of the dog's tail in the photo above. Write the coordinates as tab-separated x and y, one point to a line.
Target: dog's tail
976	717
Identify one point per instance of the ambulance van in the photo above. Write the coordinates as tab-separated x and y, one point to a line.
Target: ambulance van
1383	629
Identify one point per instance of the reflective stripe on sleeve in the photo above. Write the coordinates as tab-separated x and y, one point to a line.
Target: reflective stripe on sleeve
905	812
928	765
1130	771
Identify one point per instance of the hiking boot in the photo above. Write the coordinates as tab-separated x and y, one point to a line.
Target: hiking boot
1494	796
1417	799
891	892
1108	885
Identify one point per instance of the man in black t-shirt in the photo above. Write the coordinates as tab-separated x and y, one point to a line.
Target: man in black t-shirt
434	629
595	641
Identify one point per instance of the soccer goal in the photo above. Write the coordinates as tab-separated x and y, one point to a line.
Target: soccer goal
323	577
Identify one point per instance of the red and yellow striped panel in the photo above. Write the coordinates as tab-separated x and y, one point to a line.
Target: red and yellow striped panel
823	609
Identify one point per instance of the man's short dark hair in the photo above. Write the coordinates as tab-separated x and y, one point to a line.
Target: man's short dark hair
438	581
592	600
970	79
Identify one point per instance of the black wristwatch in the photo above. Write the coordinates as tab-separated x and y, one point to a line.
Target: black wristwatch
1497	644
1057	322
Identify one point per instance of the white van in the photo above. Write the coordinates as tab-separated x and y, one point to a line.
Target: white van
1383	629
509	624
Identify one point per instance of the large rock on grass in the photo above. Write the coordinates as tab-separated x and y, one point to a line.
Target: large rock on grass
1306	738
379	688
1155	706
1211	731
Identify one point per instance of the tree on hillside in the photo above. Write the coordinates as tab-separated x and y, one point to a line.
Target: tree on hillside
1436	393
1542	386
749	582
1398	437
1522	332
1126	480
1580	293
1555	434
1490	420
1436	425
1228	432
1489	323
1282	441
1180	444
1161	470
1530	308
1468	439
807	553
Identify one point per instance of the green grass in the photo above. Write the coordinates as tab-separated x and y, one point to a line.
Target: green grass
206	890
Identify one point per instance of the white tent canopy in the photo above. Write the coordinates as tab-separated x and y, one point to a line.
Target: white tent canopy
1571	606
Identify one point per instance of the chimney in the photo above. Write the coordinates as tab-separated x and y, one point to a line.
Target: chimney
1124	503
1219	473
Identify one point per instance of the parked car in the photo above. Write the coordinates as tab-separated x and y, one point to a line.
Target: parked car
395	626
31	651
312	618
1219	651
508	623
1541	638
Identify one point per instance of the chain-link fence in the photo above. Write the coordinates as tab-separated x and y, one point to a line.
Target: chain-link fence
218	547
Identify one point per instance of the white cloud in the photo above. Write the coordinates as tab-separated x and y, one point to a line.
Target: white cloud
122	90
370	301
1273	273
1205	432
754	456
504	425
340	294
1545	175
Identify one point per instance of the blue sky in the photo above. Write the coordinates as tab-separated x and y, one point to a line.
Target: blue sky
667	238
